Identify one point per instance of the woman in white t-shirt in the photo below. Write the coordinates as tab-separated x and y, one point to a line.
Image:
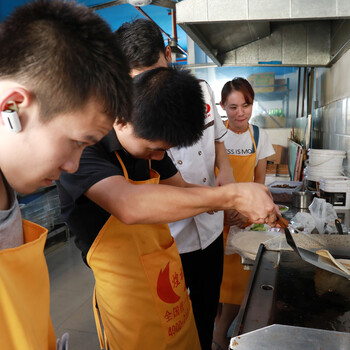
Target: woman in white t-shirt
237	98
247	147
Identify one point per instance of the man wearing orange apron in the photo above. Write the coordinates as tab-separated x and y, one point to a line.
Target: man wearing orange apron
48	116
25	287
140	298
198	239
149	253
118	213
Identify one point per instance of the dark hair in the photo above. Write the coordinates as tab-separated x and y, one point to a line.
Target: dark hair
141	41
238	84
168	106
65	54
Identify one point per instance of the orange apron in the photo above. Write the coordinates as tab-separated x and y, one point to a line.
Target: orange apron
235	278
25	322
140	295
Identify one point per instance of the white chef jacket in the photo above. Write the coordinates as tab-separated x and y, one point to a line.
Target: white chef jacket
196	165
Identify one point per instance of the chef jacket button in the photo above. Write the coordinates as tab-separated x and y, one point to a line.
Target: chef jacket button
200	153
179	162
205	179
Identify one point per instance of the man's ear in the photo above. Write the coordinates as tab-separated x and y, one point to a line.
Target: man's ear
119	124
168	54
18	95
222	106
10	103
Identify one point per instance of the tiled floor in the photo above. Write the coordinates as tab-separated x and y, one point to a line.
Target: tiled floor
72	285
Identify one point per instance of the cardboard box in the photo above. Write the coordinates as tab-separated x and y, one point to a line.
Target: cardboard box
281	85
277	157
268	122
282	169
271	168
262	82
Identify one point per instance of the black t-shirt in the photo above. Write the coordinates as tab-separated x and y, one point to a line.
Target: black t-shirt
83	217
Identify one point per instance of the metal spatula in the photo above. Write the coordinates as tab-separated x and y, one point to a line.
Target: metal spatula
313	258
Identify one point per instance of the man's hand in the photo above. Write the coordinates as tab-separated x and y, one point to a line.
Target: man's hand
252	200
233	217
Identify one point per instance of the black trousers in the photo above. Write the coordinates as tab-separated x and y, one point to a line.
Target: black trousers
203	276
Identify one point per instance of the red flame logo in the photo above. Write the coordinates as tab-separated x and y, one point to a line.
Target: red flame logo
164	289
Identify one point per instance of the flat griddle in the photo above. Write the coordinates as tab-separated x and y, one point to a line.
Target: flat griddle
286	290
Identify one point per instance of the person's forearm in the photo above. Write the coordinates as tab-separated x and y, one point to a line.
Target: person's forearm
225	175
260	171
152	204
221	158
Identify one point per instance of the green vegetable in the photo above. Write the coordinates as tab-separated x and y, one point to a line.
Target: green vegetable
282	208
258	227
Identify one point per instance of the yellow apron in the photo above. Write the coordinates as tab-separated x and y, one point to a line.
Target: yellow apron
235	279
140	295
25	322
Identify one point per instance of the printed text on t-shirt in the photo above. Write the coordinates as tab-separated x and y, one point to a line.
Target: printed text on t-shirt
239	151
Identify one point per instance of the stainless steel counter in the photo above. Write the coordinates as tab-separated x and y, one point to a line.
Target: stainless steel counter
277	337
307	305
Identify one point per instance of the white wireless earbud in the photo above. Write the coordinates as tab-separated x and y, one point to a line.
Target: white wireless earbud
10	117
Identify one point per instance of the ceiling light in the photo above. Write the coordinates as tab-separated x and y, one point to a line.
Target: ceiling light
139	3
175	49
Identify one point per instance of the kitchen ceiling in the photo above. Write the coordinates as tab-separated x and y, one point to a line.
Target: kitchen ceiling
163	3
119	11
274	32
244	32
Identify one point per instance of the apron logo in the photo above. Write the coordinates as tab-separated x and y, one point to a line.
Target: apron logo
165	290
208	108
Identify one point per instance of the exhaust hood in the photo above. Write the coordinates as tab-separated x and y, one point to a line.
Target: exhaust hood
274	32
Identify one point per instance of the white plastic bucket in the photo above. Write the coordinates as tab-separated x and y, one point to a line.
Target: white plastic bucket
338	189
336	179
325	158
330	152
324	163
348	162
316	174
335	184
324	172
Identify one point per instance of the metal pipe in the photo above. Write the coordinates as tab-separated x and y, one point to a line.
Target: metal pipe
173	21
298	95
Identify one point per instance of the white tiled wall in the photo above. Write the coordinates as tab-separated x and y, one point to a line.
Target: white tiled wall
331	124
331	128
